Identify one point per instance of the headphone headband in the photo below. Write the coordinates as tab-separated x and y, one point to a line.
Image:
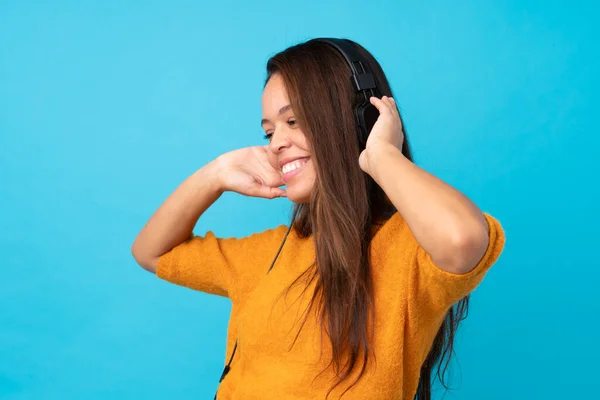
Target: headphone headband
362	78
366	114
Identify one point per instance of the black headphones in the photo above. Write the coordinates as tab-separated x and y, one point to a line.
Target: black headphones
365	113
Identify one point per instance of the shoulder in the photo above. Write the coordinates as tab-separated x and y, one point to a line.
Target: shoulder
391	240
395	232
254	241
270	240
390	230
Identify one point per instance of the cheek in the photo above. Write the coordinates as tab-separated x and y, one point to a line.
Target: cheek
299	139
304	143
312	173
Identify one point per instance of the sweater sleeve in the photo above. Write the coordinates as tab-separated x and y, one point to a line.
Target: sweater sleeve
439	289
218	265
429	289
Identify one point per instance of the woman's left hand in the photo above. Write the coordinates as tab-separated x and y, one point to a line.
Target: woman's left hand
386	131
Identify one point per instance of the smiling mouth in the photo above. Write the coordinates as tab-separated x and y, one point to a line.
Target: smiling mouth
289	174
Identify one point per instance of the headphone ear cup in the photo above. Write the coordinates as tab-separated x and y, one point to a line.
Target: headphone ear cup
366	116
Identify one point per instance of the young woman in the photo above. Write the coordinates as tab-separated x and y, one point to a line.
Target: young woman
361	295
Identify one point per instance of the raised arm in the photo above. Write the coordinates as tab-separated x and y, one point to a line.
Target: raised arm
449	226
174	220
246	171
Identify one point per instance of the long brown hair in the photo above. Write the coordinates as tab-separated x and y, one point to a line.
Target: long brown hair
345	206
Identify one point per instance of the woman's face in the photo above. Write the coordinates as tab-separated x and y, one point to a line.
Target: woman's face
288	150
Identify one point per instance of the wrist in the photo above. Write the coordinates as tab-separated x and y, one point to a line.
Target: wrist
213	174
379	155
381	148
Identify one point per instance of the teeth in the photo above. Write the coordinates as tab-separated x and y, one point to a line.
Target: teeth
292	166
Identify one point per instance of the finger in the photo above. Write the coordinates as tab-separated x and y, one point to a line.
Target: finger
267	192
277	178
391	106
394	106
277	192
380	104
390	102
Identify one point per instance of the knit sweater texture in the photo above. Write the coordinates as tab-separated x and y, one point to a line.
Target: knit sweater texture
275	359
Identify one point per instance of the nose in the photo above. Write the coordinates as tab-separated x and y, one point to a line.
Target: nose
279	140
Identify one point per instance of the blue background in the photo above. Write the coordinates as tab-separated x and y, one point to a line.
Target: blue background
106	106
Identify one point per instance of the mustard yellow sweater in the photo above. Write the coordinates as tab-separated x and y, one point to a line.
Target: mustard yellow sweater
412	296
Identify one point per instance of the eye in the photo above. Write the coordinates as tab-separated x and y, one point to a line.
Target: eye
291	122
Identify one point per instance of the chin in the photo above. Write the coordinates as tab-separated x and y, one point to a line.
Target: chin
298	198
298	195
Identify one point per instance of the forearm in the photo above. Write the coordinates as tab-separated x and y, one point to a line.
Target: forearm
174	220
446	223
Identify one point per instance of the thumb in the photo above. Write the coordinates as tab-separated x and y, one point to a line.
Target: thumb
258	190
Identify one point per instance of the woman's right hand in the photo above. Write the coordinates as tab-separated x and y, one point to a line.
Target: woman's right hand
247	171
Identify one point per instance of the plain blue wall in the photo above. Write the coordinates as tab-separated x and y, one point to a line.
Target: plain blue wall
105	107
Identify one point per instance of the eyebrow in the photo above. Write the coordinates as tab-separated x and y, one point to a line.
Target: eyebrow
282	110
